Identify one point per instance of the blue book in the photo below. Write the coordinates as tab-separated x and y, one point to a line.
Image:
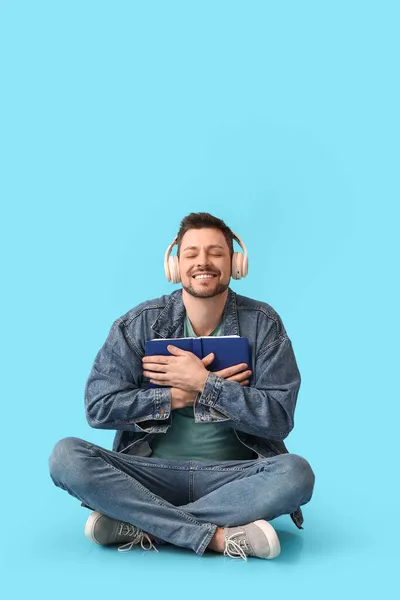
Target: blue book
228	350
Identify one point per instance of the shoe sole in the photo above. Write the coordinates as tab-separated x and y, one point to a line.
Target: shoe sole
89	527
271	535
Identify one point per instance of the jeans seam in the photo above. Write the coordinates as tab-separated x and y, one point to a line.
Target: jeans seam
197	468
165	467
177	467
200	550
221	469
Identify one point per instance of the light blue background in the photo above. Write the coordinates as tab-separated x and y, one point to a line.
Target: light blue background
282	118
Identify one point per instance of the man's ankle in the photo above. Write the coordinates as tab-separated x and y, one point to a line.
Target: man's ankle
217	541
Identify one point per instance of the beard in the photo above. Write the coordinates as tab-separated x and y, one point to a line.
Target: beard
219	289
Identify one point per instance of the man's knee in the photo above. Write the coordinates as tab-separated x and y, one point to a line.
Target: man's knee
300	475
65	459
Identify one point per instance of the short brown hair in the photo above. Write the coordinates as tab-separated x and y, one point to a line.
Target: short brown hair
204	220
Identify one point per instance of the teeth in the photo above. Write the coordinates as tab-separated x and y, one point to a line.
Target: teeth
203	276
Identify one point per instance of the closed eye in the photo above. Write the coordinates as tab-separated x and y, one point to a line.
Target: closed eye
211	253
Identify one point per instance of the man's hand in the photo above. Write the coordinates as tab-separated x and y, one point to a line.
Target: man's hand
181	397
235	373
183	370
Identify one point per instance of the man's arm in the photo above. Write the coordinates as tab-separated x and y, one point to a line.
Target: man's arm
265	410
113	396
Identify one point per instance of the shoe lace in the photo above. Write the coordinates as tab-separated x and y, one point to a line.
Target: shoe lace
236	548
138	537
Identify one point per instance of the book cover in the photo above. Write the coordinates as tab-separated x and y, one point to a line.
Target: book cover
228	350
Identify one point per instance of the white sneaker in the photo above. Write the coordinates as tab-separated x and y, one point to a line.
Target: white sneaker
255	539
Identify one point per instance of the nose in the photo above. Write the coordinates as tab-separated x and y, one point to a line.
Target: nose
203	259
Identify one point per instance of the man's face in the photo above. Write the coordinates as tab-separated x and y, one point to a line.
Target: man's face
204	252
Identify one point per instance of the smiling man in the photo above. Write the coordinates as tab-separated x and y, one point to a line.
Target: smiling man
198	461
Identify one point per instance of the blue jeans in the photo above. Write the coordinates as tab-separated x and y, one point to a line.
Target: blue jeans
180	501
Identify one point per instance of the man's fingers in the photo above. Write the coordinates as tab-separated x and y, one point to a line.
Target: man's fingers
207	360
176	351
229	371
159	378
153	368
161	360
239	377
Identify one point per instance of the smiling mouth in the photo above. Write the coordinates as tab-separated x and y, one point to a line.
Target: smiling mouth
204	277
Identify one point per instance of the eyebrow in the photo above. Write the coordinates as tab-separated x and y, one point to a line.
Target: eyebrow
208	247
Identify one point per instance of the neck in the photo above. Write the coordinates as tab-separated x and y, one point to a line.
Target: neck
204	313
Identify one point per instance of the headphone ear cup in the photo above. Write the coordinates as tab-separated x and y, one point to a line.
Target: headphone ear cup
245	265
167	270
239	265
173	264
237	260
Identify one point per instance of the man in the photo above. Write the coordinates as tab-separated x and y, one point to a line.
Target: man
198	461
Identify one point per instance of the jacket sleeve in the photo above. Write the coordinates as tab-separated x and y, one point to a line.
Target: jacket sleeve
114	398
265	408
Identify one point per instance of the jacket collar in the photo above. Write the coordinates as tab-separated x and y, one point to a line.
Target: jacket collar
169	323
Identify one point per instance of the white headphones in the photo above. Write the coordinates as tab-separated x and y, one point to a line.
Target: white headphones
240	263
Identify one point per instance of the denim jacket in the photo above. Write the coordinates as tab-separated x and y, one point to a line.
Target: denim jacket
261	414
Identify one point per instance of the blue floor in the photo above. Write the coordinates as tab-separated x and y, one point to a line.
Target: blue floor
342	552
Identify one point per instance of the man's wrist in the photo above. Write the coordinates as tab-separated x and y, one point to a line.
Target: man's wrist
202	382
